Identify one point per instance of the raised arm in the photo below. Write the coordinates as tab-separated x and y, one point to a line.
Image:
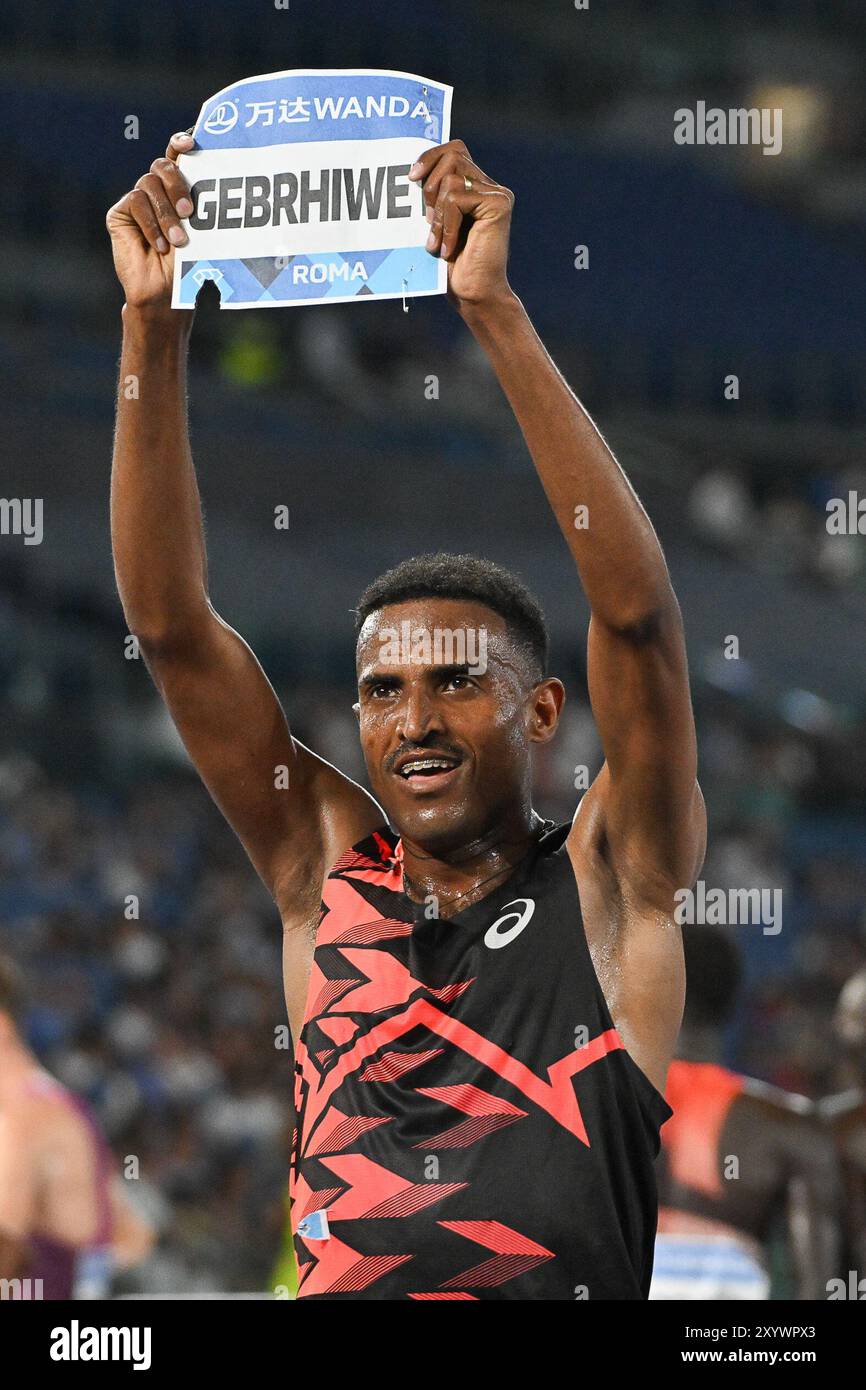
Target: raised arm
637	671
645	803
220	699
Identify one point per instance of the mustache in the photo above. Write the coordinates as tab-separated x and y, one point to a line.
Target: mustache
428	746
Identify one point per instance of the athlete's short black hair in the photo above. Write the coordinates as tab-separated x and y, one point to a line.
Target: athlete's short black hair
713	976
12	990
467	577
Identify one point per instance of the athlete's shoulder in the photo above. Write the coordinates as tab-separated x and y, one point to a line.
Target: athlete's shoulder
547	867
378	849
554	836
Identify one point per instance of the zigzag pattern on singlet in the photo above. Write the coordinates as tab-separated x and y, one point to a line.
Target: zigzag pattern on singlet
369	1020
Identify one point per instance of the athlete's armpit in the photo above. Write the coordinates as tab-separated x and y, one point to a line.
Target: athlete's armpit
636	949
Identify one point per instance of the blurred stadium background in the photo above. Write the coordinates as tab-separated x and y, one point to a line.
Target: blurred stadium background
702	262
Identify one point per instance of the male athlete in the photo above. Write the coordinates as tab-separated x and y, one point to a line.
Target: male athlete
483	1006
65	1224
740	1159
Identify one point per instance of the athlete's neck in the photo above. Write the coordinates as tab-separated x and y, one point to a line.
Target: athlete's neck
459	877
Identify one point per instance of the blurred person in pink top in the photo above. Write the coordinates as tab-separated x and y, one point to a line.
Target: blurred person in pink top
65	1223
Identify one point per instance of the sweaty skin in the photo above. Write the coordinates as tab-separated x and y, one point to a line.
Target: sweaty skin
639	834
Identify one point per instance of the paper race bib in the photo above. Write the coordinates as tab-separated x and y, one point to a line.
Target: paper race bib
301	192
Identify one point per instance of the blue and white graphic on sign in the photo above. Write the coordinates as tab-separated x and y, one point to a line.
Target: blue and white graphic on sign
301	191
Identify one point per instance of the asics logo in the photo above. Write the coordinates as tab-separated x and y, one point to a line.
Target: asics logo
500	934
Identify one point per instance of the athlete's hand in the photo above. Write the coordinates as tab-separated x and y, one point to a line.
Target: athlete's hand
469	224
144	227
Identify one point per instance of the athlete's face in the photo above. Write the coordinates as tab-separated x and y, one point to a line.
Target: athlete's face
448	712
